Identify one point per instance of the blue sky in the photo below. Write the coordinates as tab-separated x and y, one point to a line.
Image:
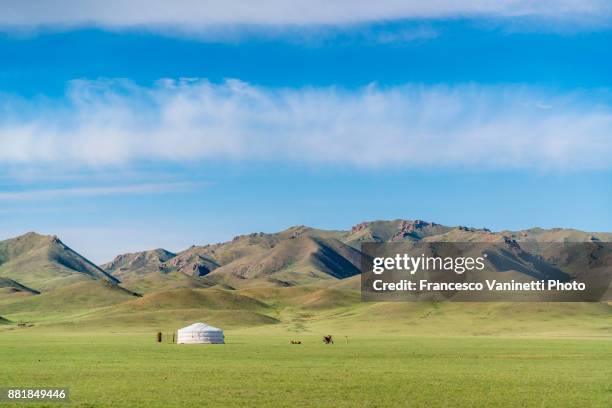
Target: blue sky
121	132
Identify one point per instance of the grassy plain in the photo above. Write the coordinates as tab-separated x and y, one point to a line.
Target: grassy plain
258	367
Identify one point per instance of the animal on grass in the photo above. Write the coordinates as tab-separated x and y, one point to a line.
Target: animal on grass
296	342
328	339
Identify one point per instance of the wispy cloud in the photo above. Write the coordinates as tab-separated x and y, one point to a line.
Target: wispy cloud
117	122
194	16
134	189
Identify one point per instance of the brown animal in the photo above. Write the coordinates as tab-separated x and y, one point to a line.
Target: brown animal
328	339
296	342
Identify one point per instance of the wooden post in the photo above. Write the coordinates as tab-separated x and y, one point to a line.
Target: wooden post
159	337
173	338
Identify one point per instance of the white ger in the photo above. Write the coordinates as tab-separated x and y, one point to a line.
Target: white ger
200	333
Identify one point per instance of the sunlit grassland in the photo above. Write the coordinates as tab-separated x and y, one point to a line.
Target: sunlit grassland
255	368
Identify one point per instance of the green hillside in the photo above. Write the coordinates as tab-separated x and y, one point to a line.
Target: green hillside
156	281
64	303
42	262
9	286
297	280
192	299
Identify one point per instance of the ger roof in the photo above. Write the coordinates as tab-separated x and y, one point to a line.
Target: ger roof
200	327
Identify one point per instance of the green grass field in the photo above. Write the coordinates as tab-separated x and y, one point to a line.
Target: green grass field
256	368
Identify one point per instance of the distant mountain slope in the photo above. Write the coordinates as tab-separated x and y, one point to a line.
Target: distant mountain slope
137	263
43	262
302	255
293	256
300	278
298	260
9	286
558	235
201	260
192	262
396	230
153	282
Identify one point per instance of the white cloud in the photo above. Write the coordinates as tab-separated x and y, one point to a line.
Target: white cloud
193	15
133	189
116	122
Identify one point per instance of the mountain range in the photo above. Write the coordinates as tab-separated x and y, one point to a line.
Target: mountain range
254	279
